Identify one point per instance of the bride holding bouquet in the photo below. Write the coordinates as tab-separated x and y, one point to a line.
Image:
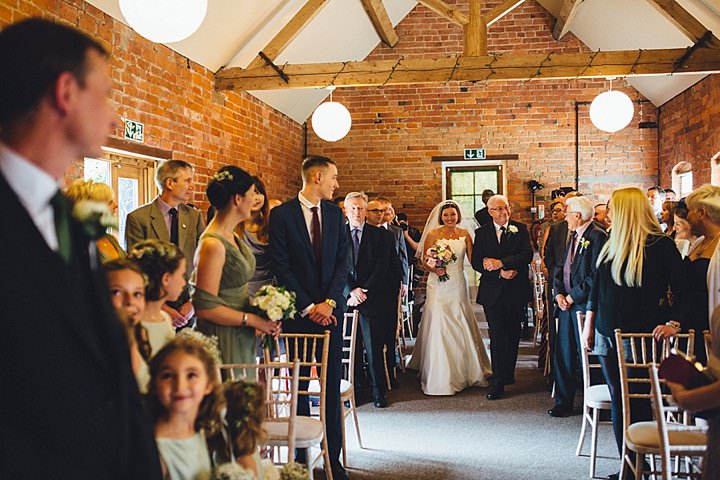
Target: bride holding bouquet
449	352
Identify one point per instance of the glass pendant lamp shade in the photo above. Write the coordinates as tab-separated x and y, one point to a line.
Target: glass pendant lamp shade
331	121
164	21
611	111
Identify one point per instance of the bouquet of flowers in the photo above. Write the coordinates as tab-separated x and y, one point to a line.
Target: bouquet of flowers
441	255
275	303
95	217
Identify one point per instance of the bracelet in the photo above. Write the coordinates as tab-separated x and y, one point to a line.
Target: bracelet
674	325
244	321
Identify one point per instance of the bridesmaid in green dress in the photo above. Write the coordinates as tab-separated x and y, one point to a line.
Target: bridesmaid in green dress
223	267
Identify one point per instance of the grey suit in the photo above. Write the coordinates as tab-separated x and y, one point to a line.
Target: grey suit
147	223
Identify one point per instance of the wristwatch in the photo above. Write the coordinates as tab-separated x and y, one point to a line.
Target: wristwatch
331	302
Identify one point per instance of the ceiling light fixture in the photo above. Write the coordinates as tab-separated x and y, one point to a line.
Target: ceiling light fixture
331	121
611	111
164	21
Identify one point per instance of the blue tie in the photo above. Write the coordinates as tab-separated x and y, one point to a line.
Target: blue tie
356	243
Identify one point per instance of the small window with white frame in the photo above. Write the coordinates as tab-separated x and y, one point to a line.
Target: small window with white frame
682	179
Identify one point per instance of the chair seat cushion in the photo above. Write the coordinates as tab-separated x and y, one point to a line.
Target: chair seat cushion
598	396
308	431
645	435
345	388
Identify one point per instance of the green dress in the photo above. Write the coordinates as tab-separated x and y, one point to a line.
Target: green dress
237	344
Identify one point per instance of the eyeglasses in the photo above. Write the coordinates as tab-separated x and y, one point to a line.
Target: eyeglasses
500	209
377	210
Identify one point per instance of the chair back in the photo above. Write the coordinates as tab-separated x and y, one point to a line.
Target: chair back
280	381
350	325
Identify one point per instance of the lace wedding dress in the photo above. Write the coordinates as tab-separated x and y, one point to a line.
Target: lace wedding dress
449	351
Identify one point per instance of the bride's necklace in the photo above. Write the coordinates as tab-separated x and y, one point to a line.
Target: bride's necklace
450	233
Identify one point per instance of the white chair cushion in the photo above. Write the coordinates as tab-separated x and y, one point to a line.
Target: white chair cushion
345	388
598	396
308	431
646	435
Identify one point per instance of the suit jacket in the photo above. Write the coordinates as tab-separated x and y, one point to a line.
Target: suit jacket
583	268
483	216
515	252
555	247
147	222
376	259
69	407
293	260
402	254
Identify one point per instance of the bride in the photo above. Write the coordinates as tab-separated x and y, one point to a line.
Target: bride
449	350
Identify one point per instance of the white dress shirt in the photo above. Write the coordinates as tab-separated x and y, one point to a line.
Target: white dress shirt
498	232
306	205
34	188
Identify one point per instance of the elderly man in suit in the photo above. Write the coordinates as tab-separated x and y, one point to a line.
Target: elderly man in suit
69	407
502	253
168	218
572	284
373	257
309	248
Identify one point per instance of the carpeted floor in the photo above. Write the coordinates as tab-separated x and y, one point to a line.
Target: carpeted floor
466	436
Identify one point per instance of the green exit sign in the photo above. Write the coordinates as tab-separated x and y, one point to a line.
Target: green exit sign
134	130
474	154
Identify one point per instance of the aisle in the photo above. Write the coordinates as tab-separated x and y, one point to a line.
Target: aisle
467	436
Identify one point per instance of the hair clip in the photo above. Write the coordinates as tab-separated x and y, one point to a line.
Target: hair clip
223	175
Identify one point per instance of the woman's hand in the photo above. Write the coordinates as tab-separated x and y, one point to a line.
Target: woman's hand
263	325
440	271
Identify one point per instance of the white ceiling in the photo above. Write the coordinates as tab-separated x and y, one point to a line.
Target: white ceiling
235	30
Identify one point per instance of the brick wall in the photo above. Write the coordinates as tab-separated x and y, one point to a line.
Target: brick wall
396	130
689	130
174	98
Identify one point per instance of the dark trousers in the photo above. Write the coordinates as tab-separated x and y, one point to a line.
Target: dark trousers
565	360
371	335
504	319
333	412
390	322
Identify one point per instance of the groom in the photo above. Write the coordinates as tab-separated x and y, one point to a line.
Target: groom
501	254
309	249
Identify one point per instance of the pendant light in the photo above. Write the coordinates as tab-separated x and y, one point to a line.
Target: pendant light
164	21
611	111
331	121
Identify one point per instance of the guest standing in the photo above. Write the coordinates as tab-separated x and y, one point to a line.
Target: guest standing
254	232
87	419
224	265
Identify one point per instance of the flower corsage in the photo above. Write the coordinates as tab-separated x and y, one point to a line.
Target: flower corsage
94	217
512	229
584	244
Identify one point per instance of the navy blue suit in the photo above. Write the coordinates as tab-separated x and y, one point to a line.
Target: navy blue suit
295	268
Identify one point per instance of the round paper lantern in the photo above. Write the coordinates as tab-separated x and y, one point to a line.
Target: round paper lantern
611	111
331	121
164	21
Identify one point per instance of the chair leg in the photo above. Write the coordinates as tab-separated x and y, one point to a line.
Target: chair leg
342	427
355	417
308	463
581	440
385	363
593	440
624	463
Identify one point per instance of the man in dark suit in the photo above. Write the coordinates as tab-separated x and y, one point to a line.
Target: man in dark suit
309	249
482	216
69	407
373	257
168	218
572	284
502	253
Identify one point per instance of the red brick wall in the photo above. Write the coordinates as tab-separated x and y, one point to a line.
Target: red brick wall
396	130
174	99
689	130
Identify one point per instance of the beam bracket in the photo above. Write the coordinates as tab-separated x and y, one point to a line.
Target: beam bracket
279	70
707	36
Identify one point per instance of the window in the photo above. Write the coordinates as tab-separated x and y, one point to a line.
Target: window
715	170
465	185
682	179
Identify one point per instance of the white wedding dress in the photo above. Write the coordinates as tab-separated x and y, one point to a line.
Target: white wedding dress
449	350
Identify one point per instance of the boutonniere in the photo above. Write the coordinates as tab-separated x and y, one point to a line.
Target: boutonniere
94	217
512	229
584	244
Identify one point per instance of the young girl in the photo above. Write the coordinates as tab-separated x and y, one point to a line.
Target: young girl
127	293
185	402
164	267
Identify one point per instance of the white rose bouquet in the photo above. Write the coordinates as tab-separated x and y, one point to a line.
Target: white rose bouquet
275	303
441	255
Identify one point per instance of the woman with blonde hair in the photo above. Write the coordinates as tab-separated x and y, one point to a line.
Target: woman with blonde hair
90	190
636	267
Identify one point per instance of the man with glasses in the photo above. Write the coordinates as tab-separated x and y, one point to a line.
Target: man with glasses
502	253
572	284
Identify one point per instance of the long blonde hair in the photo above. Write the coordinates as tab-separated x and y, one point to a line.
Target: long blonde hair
632	221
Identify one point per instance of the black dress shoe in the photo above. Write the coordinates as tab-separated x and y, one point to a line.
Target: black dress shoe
560	411
339	473
380	402
496	393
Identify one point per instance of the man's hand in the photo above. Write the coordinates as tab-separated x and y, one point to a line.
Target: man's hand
358	295
562	302
588	337
508	274
321	314
403	289
492	264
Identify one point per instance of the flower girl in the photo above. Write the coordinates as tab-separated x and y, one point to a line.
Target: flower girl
185	402
164	267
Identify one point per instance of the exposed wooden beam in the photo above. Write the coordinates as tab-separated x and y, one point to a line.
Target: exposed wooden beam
446	11
289	32
381	21
470	69
500	11
568	11
475	32
686	23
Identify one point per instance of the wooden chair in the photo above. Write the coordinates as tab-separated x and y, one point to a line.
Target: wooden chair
707	338
310	351
281	381
595	399
674	439
347	386
641	437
